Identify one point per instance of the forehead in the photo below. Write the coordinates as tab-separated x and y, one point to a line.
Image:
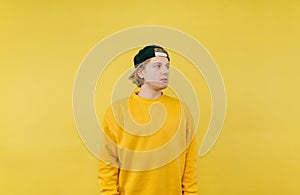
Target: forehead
159	59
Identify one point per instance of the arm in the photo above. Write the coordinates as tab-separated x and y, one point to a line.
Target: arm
108	179
189	179
108	173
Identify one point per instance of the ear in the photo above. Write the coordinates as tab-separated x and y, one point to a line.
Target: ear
140	72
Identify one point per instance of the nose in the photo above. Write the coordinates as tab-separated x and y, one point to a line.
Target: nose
164	70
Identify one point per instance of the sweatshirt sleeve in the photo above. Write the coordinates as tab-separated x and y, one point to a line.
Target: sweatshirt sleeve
108	172
189	179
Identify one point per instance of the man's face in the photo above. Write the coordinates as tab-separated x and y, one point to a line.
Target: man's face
156	73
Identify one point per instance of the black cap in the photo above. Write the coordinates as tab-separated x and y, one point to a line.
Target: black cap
149	51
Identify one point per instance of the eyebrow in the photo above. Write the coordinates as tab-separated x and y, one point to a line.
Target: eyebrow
161	63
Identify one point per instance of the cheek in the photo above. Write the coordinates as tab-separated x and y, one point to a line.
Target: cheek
150	75
154	75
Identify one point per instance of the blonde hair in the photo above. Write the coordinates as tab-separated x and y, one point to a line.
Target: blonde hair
136	79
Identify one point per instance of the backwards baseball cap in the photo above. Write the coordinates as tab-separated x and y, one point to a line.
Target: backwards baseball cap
149	52
146	53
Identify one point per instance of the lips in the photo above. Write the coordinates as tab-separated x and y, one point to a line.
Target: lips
164	80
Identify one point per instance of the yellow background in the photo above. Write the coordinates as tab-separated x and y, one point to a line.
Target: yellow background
255	44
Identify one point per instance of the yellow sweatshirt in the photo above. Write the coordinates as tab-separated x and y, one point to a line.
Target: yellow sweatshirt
149	149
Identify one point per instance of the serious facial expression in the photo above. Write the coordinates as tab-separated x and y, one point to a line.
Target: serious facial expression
156	73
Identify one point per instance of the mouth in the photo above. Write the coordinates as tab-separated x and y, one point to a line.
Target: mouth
165	80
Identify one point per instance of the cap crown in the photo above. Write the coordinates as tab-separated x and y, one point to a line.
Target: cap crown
149	52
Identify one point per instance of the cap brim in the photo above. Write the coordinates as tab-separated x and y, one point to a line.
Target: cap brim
132	74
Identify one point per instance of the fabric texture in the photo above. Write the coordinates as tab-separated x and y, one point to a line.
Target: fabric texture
163	172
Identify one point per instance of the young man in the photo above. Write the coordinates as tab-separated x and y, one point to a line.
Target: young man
150	141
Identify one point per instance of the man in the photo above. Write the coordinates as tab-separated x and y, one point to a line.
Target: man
149	146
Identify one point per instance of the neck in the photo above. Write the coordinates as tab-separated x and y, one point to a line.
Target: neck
149	93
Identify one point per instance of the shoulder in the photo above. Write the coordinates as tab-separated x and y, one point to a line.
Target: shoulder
176	101
116	106
171	100
120	102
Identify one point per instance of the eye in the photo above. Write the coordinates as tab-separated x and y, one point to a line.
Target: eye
157	66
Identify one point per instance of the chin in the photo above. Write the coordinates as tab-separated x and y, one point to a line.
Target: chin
158	86
161	87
